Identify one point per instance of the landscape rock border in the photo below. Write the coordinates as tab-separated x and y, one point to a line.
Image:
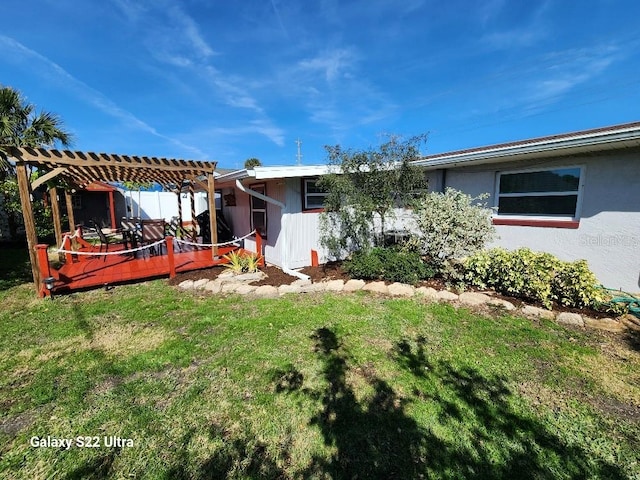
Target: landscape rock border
241	284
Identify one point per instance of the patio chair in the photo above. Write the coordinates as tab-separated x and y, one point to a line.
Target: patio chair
130	229
152	231
105	240
174	229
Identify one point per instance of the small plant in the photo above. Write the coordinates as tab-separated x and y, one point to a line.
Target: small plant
253	262
392	264
242	263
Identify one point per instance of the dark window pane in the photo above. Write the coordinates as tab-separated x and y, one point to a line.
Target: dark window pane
258	203
561	180
315	201
312	187
259	222
550	205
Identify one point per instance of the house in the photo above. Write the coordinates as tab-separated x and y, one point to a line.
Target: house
283	204
575	195
99	202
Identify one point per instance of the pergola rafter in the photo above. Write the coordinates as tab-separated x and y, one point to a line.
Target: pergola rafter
83	168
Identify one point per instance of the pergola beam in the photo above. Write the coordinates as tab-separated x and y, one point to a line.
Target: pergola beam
46	177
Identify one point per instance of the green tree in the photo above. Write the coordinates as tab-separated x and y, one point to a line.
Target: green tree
251	163
363	189
21	126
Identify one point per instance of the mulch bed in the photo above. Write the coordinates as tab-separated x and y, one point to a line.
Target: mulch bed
334	271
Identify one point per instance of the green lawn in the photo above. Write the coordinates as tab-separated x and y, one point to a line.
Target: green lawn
320	386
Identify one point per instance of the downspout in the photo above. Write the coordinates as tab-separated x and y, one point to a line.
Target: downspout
283	228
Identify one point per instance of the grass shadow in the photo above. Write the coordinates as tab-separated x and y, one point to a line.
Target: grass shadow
496	439
15	266
632	339
237	458
477	432
96	469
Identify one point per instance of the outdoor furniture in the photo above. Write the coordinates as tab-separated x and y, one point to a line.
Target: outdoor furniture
174	229
152	231
105	240
130	229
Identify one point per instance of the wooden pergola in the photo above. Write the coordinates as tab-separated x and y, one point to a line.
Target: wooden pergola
83	168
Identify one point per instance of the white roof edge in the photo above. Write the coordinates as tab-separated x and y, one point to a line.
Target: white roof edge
265	173
271	172
233	176
624	136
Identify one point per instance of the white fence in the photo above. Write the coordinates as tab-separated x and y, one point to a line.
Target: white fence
164	204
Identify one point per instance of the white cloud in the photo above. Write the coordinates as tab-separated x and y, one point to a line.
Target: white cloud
262	127
332	64
561	72
52	71
175	39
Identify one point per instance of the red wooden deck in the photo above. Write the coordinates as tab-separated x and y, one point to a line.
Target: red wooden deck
114	269
86	271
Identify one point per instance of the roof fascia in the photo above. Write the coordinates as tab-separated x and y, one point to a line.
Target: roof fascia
598	141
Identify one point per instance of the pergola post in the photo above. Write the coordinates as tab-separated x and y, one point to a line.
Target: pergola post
213	221
55	212
112	210
192	203
24	187
179	194
72	220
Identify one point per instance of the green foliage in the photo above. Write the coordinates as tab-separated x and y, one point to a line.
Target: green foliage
242	262
137	185
575	285
537	276
392	264
452	225
364	187
10	204
20	126
251	163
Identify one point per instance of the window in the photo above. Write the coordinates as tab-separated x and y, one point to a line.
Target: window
259	211
544	193
312	195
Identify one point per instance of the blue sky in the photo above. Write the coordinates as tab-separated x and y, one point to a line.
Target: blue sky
229	80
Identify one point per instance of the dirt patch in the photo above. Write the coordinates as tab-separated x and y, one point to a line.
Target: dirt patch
328	271
122	340
274	276
13	425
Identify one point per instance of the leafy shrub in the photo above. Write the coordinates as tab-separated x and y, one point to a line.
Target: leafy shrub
452	226
576	286
391	264
536	276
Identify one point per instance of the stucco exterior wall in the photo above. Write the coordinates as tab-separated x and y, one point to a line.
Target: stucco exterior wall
608	236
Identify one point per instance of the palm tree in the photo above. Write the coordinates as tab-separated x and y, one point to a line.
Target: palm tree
20	126
251	163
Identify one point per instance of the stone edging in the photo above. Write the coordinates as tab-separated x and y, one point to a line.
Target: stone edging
241	284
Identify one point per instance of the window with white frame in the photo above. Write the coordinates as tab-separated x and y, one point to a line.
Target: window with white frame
313	195
544	193
259	211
